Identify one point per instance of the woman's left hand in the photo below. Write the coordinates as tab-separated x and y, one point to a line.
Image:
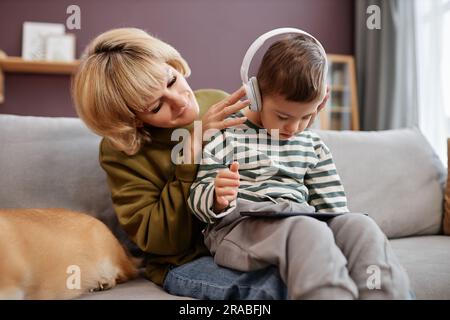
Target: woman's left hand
216	119
216	116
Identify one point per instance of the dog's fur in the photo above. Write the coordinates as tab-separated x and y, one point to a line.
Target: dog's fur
39	246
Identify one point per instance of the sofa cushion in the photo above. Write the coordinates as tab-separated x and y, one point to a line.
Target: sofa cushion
53	162
428	269
392	175
427	262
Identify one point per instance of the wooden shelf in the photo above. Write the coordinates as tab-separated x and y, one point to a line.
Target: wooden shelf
338	58
343	96
338	109
339	88
19	65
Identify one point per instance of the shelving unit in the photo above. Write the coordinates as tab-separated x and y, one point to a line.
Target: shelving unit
341	112
19	65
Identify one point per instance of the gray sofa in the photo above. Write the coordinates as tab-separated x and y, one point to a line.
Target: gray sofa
392	175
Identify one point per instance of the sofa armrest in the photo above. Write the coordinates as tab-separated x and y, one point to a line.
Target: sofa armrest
447	195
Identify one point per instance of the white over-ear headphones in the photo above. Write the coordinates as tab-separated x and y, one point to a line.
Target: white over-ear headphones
251	86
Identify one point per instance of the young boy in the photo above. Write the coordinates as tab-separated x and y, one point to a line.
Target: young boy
316	260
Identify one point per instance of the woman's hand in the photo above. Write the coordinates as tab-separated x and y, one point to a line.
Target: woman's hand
216	119
216	116
226	185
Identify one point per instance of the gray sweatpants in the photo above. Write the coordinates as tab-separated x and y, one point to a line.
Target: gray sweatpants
348	257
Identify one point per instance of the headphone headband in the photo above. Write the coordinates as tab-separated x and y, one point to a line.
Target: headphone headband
260	41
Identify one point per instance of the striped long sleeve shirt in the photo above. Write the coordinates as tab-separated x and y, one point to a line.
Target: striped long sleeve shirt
300	169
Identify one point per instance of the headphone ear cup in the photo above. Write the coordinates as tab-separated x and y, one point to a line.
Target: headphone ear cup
256	94
250	96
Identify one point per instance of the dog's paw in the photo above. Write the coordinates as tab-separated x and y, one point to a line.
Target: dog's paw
102	286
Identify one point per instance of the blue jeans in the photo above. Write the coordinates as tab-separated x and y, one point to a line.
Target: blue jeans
203	279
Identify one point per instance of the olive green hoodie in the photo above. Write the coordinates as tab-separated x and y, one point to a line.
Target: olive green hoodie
150	195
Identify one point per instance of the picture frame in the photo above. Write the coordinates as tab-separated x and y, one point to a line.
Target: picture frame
34	38
60	48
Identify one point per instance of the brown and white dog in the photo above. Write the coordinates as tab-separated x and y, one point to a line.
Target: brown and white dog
58	254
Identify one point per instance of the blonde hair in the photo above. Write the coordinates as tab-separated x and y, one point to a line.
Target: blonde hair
118	74
294	67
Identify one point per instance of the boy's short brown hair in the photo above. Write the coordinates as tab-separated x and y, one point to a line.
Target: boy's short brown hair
294	67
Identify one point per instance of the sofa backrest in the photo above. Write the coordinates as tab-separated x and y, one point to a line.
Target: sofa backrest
53	162
392	175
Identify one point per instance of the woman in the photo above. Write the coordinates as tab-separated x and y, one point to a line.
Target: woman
131	90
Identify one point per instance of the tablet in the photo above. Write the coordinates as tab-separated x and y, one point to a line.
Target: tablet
272	214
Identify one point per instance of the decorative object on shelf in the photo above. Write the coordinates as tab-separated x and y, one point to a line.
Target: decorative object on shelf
34	38
19	65
60	47
341	112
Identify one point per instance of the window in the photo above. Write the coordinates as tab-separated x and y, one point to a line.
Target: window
432	28
446	58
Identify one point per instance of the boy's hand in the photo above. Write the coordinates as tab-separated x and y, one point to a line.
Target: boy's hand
226	185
